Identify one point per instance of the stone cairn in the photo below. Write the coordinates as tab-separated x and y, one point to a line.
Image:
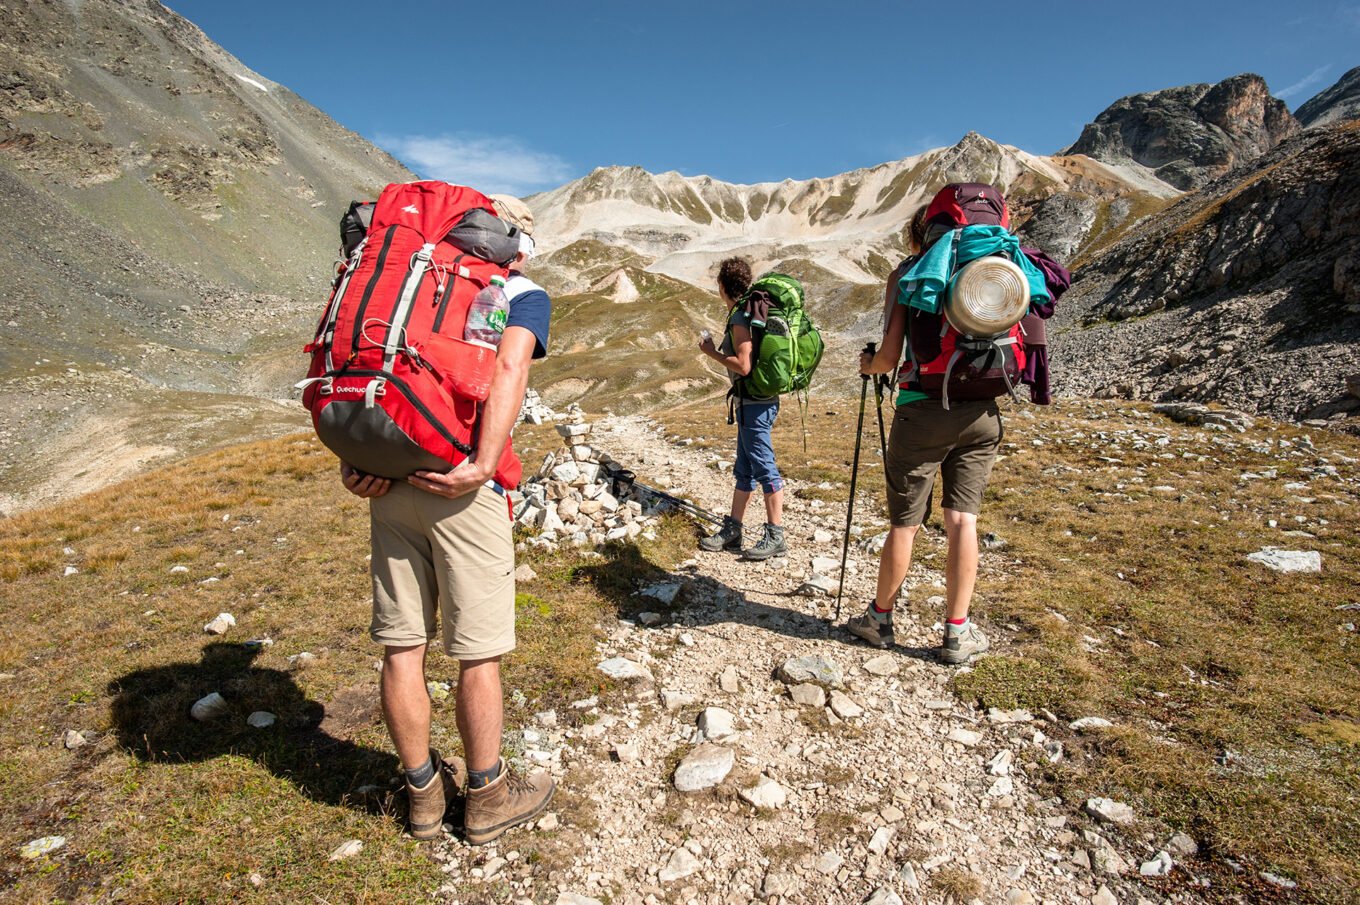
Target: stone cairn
572	498
536	411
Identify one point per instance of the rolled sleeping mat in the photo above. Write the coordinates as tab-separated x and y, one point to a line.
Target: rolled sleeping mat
987	297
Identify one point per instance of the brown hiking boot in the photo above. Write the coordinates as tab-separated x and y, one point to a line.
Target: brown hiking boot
427	805
509	800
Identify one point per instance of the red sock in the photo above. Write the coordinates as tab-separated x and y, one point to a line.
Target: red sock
877	610
957	621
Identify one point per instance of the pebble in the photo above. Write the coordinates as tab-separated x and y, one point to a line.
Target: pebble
816	670
717	724
1182	846
261	719
843	707
883	666
1159	866
1103	896
704	767
548	822
674	700
1277	880
883	896
1287	560
1090	722
966	737
822	536
878	843
908	877
766	793
73	739
346	850
302	661
808	695
1109	811
574	898
220	624
1019	897
622	669
681	864
525	573
36	848
1000	765
729	681
817	585
829	863
69	571
208	707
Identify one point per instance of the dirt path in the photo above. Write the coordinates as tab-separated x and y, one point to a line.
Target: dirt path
916	796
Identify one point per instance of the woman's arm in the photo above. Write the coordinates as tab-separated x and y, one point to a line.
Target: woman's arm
739	362
889	354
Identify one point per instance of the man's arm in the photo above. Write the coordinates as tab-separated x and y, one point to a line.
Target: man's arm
739	362
499	412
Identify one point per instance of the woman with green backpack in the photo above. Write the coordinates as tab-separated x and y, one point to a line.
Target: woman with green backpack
754	416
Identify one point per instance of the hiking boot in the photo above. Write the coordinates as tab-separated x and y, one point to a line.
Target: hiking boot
960	645
866	627
428	804
770	544
508	800
727	538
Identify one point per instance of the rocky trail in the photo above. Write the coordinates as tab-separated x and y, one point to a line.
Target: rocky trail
758	756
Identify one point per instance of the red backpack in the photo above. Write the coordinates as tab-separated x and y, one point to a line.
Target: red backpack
969	367
392	387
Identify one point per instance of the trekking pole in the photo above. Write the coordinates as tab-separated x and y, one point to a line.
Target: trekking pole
881	390
854	476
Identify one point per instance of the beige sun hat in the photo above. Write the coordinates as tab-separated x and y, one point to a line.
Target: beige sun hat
514	211
987	297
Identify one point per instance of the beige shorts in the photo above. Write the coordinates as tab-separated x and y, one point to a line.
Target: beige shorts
960	443
435	557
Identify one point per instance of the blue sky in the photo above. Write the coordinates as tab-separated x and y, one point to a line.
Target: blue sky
524	95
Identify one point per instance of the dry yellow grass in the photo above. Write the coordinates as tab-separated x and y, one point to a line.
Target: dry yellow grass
1235	690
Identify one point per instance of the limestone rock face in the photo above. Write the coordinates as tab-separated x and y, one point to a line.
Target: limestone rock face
1338	103
1191	134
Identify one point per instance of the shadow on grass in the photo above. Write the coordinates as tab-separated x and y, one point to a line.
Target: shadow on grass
705	601
306	745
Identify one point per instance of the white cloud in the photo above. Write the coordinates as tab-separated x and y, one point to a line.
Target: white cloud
488	163
1303	84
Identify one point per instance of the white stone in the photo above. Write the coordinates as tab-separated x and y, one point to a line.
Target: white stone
704	767
548	822
69	571
178	570
36	848
1159	866
1090	722
717	724
73	739
966	737
1109	810
766	793
885	665
822	536
674	700
525	573
574	898
302	661
908	877
829	863
883	896
728	680
808	695
621	669
346	850
665	591
1182	845
816	585
1019	897
649	618
843	707
816	670
681	864
878	843
828	565
1288	560
1103	896
567	472
261	719
1004	785
1000	765
220	624
208	707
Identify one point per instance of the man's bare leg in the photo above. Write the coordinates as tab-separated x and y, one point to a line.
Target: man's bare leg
406	703
480	712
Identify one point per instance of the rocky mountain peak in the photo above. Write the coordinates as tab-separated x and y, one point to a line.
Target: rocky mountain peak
1190	134
1337	103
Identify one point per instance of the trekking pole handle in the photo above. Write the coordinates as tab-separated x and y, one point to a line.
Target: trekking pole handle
869	349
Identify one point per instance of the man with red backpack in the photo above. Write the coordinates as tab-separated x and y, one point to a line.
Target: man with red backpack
390	392
947	418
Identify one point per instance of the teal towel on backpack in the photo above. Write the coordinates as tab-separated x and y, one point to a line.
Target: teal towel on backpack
924	285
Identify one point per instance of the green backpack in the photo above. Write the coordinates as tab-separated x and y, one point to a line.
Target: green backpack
788	347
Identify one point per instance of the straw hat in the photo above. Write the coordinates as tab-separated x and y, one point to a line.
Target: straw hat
515	212
987	297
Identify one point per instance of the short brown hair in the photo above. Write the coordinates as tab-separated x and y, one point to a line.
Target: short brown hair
734	277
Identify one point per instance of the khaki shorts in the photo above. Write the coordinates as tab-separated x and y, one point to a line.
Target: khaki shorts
960	443
434	556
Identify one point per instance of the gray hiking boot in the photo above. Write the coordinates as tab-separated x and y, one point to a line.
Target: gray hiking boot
866	627
770	544
962	642
728	537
